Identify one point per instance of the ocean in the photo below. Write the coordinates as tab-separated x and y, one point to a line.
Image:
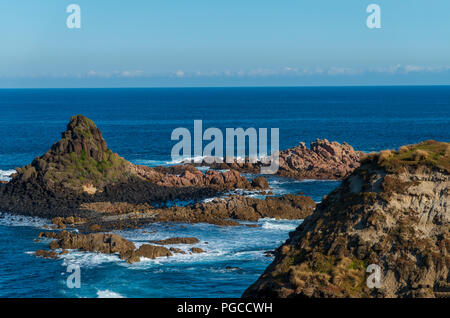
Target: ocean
137	124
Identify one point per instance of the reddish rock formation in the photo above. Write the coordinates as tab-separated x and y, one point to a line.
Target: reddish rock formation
323	160
189	176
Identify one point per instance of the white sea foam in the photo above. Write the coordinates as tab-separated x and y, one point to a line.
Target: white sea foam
153	163
108	294
7	219
5	175
273	224
88	259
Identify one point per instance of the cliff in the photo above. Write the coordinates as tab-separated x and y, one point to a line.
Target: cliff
393	212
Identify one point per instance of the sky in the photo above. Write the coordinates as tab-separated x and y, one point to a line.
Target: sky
160	43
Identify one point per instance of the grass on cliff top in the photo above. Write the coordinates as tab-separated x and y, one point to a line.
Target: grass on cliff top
429	153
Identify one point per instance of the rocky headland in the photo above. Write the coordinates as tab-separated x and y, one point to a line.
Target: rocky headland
393	211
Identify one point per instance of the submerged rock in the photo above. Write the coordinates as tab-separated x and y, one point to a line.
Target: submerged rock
392	212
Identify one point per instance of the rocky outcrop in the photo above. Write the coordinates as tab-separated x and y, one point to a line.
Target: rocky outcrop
220	211
147	251
260	183
177	240
63	222
101	243
46	254
80	169
392	212
79	162
94	242
323	160
189	176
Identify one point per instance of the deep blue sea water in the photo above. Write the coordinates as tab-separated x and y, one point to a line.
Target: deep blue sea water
137	123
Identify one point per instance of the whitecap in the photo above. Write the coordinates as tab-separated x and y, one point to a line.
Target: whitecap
88	259
5	175
7	219
108	294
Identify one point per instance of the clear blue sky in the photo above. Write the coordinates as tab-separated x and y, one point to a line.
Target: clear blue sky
223	43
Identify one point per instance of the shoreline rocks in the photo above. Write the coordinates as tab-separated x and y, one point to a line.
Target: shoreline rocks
101	243
221	211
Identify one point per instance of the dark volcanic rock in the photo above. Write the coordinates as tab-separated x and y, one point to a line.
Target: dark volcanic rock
392	212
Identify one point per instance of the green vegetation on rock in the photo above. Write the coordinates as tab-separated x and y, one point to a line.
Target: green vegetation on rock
80	161
427	153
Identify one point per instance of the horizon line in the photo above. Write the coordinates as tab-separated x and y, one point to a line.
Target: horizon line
240	86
